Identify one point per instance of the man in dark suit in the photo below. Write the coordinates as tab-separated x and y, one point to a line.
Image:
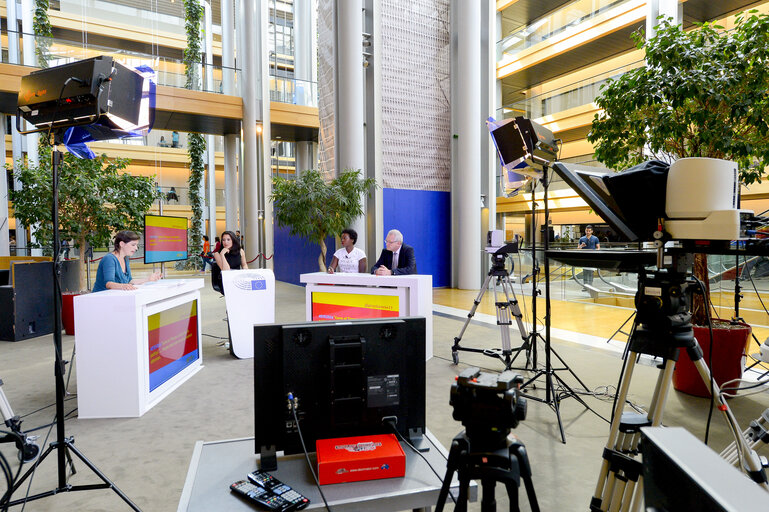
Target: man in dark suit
396	258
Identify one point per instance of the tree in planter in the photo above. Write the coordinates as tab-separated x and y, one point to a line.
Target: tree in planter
702	93
95	200
313	208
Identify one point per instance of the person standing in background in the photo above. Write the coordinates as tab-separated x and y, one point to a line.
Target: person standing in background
589	241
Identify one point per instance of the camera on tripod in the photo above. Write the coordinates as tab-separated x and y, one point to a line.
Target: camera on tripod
488	401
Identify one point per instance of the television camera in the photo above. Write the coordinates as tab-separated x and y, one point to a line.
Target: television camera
488	405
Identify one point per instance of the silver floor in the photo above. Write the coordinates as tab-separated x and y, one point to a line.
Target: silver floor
148	457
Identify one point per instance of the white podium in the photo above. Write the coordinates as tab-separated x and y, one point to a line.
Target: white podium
250	298
344	296
135	347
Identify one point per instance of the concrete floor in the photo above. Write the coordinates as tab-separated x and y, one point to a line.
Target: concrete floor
148	457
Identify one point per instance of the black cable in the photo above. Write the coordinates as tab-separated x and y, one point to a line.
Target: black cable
710	360
216	337
292	403
9	480
408	443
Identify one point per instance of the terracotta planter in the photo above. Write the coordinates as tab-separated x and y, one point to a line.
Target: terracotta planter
729	345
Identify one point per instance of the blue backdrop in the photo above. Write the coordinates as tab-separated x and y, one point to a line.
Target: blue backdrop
424	218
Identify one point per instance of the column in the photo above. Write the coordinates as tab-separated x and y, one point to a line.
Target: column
250	81
13	58
306	153
350	139
210	143
264	217
667	8
5	243
466	187
230	140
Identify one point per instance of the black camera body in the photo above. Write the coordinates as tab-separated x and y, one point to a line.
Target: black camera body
488	401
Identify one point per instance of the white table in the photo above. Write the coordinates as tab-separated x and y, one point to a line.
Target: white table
217	464
344	296
135	347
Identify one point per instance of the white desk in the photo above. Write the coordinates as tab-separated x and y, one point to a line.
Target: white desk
344	296
250	298
135	347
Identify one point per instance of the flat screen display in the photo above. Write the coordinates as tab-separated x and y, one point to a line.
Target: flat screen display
347	306
173	341
165	238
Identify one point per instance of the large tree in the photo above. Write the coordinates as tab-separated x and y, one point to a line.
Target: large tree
96	199
703	93
314	208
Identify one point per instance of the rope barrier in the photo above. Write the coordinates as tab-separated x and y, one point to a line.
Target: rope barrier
260	256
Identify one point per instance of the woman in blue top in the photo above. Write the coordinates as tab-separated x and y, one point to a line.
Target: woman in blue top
114	271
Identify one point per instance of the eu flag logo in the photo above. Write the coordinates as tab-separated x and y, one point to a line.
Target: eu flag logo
258	284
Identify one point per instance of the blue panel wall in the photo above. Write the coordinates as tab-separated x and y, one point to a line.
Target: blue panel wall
424	218
295	256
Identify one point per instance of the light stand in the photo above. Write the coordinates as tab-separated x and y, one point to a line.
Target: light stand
63	445
549	372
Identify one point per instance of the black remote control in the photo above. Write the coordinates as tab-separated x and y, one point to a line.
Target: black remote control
262	496
267	481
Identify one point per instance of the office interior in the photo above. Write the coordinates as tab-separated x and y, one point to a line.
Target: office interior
381	86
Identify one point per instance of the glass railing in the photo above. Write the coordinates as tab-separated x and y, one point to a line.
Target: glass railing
552	24
563	98
586	285
294	91
181	195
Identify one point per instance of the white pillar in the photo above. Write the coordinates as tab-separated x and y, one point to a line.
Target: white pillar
267	239
30	59
467	190
306	154
667	8
304	35
350	139
5	244
210	143
231	195
250	82
13	58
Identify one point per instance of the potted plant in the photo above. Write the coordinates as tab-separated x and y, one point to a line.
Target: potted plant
702	93
313	208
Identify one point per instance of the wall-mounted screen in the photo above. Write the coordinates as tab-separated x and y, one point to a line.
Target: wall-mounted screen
165	238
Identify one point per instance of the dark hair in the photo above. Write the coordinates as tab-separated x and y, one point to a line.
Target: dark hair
352	234
216	238
235	241
205	238
588	227
124	237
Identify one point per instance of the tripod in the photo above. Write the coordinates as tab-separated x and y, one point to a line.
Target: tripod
663	327
506	310
28	450
63	446
506	463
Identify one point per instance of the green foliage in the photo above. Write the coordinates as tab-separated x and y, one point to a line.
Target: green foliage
96	199
702	93
313	208
193	13
41	26
196	150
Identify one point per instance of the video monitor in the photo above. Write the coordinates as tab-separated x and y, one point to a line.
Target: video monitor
682	473
346	377
165	238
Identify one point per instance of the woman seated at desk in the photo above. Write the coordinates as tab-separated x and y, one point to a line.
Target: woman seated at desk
230	256
114	271
349	258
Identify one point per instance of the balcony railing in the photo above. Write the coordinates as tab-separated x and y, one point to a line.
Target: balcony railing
550	25
168	71
563	98
181	195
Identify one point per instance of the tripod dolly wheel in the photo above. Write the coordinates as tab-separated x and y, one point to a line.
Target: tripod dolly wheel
455	356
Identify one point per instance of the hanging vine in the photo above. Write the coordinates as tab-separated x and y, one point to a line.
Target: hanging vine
196	144
41	25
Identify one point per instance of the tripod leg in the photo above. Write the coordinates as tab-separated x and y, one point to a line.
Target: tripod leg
470	315
598	496
451	466
488	500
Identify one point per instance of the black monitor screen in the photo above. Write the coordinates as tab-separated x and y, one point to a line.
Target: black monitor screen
346	376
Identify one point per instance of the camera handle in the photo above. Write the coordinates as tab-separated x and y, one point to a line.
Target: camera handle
508	465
